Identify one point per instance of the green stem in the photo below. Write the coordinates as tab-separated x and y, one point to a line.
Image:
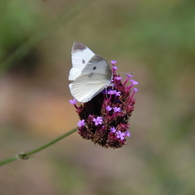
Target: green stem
24	49
27	155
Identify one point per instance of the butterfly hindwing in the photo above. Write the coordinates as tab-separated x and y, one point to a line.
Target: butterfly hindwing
86	86
98	65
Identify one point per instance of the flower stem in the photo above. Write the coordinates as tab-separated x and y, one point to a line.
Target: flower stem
27	155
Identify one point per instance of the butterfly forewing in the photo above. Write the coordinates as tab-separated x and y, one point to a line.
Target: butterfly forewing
81	55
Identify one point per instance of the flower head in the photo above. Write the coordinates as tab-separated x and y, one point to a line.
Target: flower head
135	89
108	108
120	135
81	123
73	101
118	78
117	109
113	129
129	75
134	82
113	62
98	120
105	118
127	133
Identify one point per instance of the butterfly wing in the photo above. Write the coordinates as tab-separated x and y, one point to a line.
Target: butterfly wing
98	65
90	73
81	55
87	86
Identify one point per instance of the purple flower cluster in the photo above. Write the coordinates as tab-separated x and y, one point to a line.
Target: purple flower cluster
105	118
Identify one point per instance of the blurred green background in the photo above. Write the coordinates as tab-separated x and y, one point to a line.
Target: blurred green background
153	39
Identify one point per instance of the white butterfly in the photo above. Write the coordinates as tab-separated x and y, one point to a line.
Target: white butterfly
90	73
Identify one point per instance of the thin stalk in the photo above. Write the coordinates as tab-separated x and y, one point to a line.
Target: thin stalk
27	155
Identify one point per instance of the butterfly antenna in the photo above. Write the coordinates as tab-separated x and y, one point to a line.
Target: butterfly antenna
127	73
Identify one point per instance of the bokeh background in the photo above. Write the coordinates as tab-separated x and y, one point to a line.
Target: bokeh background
153	39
